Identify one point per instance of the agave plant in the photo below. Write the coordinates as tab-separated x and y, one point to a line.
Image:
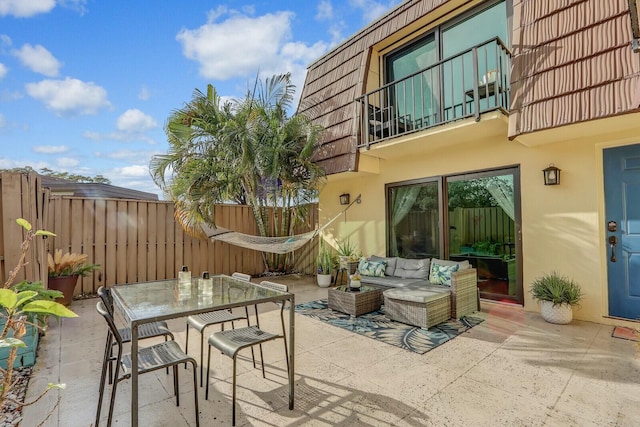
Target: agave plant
557	289
69	264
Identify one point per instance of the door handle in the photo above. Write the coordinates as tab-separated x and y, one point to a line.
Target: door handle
613	241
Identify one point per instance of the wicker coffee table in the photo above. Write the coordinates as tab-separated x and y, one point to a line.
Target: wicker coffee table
366	300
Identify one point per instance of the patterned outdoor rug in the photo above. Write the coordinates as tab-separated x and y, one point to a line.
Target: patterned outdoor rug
375	325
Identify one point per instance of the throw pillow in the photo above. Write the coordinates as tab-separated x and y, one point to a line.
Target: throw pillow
441	274
391	264
372	268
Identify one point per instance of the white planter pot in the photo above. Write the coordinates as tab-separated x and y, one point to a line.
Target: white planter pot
560	314
355	284
324	280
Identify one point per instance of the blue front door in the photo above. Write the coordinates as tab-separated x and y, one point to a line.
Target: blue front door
622	199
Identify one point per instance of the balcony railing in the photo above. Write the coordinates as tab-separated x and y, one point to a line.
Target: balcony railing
467	84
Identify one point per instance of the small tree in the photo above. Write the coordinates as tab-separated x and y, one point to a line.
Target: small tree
20	308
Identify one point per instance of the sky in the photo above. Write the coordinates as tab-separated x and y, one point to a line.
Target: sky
86	86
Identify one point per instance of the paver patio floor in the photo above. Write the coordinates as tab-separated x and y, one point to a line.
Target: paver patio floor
514	369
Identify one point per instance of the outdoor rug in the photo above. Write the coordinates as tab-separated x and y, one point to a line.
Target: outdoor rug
375	325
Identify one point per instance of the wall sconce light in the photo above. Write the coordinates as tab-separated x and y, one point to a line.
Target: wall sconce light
551	175
635	25
344	199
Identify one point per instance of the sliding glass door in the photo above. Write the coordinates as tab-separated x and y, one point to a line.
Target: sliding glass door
414	216
481	224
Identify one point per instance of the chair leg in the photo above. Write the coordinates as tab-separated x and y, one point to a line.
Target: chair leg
103	375
201	354
233	399
176	386
195	393
116	380
186	343
262	360
206	393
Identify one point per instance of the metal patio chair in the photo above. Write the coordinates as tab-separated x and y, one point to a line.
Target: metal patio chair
200	322
164	355
232	341
147	330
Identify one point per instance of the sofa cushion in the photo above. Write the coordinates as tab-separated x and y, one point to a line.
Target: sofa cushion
412	294
372	268
391	264
412	268
441	274
394	282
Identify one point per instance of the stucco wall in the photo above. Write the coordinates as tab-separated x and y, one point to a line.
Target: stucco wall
562	226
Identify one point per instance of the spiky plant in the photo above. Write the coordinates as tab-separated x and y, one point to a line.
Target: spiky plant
557	289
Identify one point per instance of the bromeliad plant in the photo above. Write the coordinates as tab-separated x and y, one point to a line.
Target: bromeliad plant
21	305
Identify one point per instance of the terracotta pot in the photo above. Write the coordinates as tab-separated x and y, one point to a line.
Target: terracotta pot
64	284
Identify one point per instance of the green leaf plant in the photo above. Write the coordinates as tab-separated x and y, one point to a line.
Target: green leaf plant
24	304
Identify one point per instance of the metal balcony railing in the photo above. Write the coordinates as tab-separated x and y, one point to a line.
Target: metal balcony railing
464	85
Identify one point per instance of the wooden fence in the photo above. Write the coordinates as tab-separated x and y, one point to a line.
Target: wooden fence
132	240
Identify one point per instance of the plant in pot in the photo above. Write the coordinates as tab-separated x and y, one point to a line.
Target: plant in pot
325	266
64	270
348	256
557	296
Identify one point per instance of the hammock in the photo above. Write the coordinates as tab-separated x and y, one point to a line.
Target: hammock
276	245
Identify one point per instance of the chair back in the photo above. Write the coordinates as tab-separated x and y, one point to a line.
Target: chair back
241	276
113	329
107	299
275	286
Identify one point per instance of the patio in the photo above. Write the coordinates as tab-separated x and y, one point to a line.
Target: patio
512	369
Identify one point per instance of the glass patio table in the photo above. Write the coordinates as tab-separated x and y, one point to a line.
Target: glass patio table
146	302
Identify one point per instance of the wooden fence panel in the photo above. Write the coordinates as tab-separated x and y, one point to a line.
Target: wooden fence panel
132	240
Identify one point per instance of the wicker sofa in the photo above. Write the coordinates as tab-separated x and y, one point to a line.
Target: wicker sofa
410	297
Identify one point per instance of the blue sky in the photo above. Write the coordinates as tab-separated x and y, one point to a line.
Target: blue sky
86	85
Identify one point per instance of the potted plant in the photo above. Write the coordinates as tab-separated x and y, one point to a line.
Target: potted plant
355	282
348	256
557	296
325	266
64	270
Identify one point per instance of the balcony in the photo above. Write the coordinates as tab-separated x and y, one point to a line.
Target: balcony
472	82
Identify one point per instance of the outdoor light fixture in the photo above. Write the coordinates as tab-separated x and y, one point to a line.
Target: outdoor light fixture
635	27
551	175
344	199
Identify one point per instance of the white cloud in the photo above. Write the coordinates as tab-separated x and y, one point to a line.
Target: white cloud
50	149
3	71
5	40
66	162
133	171
372	9
69	96
144	94
135	121
325	11
38	59
241	45
25	8
131	155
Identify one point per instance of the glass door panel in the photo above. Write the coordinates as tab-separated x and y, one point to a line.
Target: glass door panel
483	26
414	101
414	217
482	217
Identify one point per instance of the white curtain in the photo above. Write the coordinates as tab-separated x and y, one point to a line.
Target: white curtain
402	201
502	191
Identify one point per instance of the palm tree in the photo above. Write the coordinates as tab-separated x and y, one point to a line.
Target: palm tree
245	151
